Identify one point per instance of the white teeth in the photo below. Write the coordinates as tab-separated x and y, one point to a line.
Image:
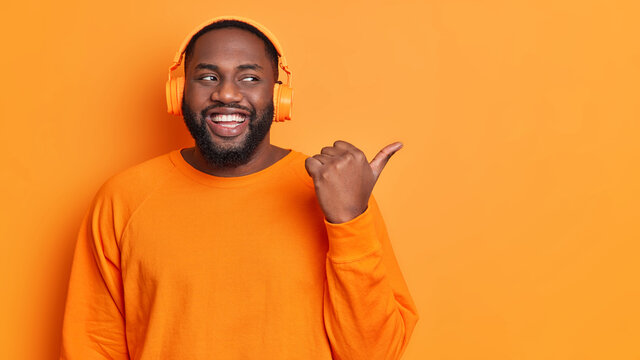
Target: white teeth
228	118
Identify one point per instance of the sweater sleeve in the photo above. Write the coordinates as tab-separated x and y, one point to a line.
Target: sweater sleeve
93	325
368	311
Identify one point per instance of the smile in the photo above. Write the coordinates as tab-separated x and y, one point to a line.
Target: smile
228	125
228	120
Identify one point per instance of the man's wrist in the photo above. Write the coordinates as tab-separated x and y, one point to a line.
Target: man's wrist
345	216
353	239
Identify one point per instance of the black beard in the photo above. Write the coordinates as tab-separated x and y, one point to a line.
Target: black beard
217	156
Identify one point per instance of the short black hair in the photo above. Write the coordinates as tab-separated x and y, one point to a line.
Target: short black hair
270	49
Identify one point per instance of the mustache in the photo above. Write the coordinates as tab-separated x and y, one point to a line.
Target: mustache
229	106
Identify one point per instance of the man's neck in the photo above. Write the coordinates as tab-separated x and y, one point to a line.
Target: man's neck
264	156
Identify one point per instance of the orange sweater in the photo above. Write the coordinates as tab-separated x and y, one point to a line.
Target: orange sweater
173	263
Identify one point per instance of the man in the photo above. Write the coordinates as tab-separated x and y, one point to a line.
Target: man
236	248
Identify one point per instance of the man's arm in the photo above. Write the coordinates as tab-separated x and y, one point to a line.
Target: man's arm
94	326
368	311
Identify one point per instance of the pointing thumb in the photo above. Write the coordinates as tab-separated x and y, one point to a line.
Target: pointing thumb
381	159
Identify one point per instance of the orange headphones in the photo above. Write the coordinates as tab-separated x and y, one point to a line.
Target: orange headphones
282	93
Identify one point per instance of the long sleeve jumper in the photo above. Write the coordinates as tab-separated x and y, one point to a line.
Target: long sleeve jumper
173	263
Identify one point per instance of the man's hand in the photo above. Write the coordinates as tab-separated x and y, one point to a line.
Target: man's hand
344	179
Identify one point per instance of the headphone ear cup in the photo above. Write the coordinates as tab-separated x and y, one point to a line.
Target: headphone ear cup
168	94
276	101
179	81
282	102
174	90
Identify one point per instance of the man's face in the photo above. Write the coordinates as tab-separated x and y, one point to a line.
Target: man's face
228	98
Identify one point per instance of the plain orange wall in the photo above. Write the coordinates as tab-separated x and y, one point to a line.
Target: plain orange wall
513	208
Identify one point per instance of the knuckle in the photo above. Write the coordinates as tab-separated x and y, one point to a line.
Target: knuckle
308	165
325	175
350	156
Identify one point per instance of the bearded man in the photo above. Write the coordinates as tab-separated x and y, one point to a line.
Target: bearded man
236	248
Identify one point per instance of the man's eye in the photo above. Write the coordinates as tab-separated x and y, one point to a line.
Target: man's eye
209	77
250	78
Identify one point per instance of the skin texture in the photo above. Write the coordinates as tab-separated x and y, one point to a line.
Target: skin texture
342	176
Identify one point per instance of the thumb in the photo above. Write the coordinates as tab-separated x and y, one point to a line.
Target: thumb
381	159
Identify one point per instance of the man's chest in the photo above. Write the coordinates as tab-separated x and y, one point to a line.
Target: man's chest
226	240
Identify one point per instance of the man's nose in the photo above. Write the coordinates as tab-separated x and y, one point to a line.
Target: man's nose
227	92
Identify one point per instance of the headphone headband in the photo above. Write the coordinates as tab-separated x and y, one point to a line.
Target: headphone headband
282	61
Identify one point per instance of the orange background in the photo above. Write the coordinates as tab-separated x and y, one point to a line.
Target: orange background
513	208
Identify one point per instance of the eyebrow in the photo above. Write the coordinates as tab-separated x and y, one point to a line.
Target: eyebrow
239	67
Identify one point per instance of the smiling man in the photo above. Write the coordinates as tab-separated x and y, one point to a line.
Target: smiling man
237	248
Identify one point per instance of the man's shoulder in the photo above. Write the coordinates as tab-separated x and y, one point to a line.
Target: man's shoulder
297	166
137	181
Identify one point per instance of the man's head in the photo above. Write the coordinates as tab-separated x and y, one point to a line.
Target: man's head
230	70
272	53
